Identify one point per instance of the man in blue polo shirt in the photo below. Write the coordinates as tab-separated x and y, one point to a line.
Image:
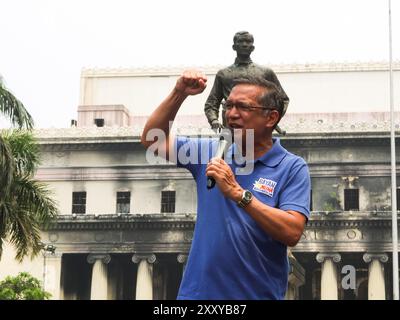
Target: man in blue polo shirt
243	227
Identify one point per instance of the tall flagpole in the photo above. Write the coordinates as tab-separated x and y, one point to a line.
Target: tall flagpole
393	170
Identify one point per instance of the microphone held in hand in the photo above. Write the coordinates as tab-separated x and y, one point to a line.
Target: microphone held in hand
223	145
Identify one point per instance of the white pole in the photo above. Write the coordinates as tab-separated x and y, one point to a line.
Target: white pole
44	270
393	170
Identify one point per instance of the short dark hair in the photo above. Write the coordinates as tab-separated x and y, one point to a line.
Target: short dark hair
241	34
272	97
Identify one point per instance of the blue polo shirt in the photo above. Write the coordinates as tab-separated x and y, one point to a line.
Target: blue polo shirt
231	257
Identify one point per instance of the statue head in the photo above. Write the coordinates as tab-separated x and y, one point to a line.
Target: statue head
243	43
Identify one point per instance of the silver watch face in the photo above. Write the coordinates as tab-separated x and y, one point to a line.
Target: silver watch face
247	195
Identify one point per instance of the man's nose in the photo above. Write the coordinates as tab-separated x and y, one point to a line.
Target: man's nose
233	112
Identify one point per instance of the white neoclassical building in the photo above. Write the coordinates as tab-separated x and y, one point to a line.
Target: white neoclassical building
125	226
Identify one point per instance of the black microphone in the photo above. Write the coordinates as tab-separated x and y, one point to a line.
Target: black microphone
223	145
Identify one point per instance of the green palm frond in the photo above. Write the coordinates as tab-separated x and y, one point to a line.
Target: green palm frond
25	235
28	208
13	109
36	198
4	218
7	165
24	149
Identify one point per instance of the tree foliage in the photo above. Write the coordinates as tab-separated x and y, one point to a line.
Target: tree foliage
22	287
25	203
13	109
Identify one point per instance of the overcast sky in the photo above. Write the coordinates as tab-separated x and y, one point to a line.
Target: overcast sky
46	43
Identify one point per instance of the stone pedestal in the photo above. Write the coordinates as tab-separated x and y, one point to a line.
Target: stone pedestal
329	276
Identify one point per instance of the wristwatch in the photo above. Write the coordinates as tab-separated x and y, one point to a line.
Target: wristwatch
246	199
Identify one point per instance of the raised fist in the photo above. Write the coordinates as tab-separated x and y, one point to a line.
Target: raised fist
191	82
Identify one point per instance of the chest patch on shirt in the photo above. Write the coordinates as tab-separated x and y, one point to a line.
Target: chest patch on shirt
265	186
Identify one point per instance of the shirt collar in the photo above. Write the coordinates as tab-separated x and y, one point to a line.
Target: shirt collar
239	62
271	158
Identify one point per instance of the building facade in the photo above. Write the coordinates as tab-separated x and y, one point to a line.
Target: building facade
125	226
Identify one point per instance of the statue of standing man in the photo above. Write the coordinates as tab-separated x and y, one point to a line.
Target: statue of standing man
243	66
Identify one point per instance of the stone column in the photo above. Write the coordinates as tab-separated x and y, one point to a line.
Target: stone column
52	274
182	259
376	275
99	289
329	277
144	280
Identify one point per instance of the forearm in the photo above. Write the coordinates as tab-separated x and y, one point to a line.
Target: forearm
284	226
281	225
163	115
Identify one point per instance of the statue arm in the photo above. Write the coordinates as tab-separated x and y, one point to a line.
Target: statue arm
211	107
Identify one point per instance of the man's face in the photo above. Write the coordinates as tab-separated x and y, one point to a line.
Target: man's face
244	45
244	112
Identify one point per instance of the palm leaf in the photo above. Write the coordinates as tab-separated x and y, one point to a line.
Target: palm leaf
13	109
24	149
26	205
27	209
7	165
36	198
24	234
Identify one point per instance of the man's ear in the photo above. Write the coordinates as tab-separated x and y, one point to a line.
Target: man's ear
234	47
273	118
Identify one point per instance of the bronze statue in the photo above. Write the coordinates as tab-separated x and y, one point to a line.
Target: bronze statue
243	66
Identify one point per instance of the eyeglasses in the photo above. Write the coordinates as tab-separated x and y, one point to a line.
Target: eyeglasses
242	107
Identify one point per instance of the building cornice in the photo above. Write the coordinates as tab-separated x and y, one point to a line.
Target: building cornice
347	232
166	71
61	142
300	124
361	169
325	232
336	139
95	135
170	171
349	219
110	173
318	220
108	107
124	222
